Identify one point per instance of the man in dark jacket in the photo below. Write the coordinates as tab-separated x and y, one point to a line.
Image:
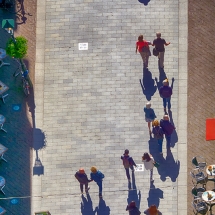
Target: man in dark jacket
83	180
159	45
168	128
128	162
165	93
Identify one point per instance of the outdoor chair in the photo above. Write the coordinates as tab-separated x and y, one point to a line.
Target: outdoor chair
197	192
200	206
198	177
199	162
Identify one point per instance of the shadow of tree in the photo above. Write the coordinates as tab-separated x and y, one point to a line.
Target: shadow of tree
145	2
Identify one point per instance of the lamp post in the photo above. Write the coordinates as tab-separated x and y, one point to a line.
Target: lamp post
8	25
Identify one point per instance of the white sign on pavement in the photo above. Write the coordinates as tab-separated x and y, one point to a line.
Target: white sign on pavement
83	46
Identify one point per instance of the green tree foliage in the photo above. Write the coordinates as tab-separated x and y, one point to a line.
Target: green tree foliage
17	49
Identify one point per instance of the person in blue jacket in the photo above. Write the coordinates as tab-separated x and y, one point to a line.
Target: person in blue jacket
97	176
149	115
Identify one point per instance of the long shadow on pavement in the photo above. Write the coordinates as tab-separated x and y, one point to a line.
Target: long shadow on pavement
155	194
102	208
87	206
148	84
134	194
169	167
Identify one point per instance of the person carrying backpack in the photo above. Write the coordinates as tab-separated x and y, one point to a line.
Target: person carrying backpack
158	134
128	162
97	176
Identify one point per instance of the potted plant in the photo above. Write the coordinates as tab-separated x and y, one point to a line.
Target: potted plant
17	48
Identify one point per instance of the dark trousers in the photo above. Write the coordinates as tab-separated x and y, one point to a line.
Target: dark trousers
100	187
82	186
127	172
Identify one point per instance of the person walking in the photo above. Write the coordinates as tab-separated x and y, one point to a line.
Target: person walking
97	176
149	115
143	47
128	162
158	134
83	180
152	210
165	92
148	162
159	46
132	209
168	129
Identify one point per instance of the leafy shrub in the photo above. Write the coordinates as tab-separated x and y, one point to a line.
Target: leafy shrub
17	49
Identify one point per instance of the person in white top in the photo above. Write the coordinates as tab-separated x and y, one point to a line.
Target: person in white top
148	162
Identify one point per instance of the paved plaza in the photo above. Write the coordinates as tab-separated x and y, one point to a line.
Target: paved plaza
90	104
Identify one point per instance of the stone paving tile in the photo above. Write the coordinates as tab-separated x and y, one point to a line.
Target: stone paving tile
93	103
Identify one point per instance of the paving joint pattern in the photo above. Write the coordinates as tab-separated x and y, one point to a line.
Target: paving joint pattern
91	105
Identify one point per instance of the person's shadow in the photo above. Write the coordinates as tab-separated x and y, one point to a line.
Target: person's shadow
155	194
169	167
134	195
174	136
153	148
102	208
145	2
148	84
162	76
87	206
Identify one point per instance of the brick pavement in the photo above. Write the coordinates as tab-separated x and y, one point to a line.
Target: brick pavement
201	86
89	103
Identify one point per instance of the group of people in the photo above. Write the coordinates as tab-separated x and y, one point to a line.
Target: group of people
164	127
143	47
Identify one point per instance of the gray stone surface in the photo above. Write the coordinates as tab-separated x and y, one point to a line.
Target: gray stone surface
90	103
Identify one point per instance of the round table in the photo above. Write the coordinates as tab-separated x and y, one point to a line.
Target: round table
211	171
2	119
2	53
205	196
2	181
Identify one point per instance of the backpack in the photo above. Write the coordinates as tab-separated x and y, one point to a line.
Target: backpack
126	162
158	134
101	175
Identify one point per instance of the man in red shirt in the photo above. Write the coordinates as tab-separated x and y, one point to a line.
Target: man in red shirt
159	46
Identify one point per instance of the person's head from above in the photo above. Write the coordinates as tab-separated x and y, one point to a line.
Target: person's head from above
126	152
158	35
155	123
153	209
146	156
93	169
148	105
166	117
166	82
140	38
81	171
132	204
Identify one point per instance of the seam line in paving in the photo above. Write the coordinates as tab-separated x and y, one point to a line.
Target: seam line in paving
39	97
182	106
